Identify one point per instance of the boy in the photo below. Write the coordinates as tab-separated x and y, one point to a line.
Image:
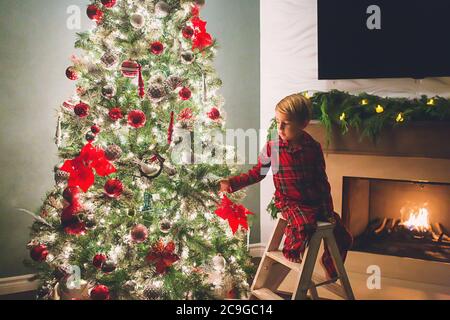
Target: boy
302	190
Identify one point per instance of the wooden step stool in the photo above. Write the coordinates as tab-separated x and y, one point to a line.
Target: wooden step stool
274	268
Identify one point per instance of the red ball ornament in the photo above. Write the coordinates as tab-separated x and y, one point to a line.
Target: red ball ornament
94	13
185	93
70	194
98	260
100	292
109	3
71	221
214	114
81	110
76	229
157	48
188	32
39	253
115	114
137	119
113	187
71	73
130	68
95	129
139	233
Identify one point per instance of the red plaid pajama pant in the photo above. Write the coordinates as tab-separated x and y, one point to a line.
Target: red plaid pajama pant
302	224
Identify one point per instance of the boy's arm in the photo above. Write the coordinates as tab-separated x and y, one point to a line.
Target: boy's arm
324	185
256	174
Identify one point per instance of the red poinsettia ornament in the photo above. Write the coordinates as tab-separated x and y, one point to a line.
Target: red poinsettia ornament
236	214
185	114
81	168
137	119
162	256
115	114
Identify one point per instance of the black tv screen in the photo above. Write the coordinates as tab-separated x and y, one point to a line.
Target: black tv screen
361	39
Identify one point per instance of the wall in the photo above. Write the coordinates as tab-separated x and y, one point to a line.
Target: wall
289	65
35	46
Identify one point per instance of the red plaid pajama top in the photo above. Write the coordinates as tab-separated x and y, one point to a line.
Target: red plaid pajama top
298	174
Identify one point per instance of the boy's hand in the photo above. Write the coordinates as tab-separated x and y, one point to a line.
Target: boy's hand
224	185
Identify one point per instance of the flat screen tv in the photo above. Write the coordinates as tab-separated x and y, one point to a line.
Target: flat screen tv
361	39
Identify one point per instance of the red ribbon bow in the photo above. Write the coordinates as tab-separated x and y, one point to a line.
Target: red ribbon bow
141	83
202	39
236	214
81	168
162	256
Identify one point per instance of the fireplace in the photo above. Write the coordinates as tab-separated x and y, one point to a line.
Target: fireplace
398	217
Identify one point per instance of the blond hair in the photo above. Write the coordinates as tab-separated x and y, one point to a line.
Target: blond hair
297	106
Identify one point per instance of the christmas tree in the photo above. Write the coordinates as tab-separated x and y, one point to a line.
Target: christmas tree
135	212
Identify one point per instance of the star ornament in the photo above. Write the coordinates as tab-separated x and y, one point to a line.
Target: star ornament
236	214
81	169
162	256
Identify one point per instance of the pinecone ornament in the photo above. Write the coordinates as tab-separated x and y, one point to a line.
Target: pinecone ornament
156	92
113	152
174	82
153	292
61	176
109	59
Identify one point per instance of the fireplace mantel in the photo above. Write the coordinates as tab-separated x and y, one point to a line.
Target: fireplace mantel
416	139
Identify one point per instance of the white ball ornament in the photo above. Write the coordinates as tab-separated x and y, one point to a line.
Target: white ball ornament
137	20
219	263
162	9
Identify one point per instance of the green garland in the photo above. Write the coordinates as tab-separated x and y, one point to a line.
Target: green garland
370	114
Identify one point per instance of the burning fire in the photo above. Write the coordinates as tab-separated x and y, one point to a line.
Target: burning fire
418	221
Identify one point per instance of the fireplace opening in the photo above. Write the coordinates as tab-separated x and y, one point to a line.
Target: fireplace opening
398	218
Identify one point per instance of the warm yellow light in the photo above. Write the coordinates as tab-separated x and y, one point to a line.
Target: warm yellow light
400	118
431	102
418	221
364	102
342	117
379	109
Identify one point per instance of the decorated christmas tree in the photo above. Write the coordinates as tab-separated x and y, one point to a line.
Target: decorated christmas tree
135	212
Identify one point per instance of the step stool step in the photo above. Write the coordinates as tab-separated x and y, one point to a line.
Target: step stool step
332	287
279	257
266	294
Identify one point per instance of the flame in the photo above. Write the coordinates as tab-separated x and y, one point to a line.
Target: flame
418	221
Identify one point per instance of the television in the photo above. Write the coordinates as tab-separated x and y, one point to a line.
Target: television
362	39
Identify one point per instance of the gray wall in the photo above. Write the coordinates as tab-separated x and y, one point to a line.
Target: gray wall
35	46
235	23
